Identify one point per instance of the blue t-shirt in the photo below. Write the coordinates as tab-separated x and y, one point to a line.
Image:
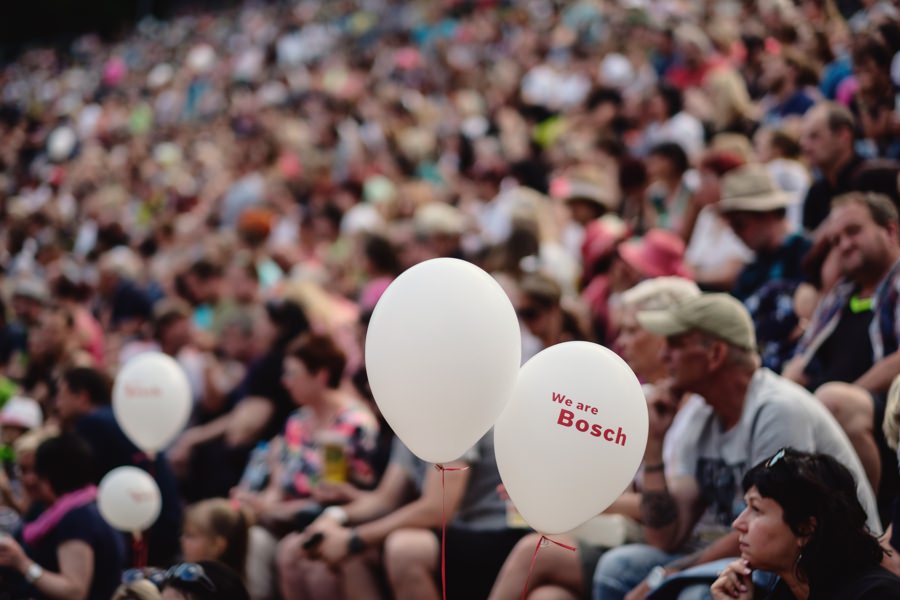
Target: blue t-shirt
85	524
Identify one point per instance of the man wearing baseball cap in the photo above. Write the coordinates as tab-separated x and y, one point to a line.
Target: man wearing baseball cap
751	413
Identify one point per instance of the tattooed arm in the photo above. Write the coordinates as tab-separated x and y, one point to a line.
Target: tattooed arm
669	511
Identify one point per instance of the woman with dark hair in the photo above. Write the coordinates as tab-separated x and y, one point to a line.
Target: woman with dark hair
212	455
804	523
70	552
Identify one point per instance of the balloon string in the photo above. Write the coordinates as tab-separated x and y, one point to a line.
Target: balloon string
139	551
443	470
540	543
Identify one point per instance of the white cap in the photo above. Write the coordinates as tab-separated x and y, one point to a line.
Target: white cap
23	412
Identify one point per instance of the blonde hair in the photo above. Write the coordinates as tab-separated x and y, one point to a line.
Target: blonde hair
220	517
138	590
30	441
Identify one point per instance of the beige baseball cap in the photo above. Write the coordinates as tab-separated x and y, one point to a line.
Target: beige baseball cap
719	315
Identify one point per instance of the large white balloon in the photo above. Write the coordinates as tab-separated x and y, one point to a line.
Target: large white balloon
572	436
443	351
129	499
152	400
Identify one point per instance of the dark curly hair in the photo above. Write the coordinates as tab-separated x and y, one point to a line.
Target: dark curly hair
818	496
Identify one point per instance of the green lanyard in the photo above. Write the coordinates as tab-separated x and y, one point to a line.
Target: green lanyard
860	305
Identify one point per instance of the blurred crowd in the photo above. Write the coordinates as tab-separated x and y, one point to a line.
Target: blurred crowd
236	189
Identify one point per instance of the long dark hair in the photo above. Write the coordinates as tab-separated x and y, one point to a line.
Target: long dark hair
818	496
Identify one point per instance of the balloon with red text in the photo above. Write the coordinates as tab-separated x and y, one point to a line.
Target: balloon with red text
129	499
443	351
572	436
152	400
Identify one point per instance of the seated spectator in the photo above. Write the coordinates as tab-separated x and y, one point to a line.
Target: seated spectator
18	417
83	406
779	150
659	253
755	208
69	550
210	457
786	77
299	459
803	521
858	313
714	253
568	574
354	536
669	192
711	351
23	492
828	145
204	580
216	529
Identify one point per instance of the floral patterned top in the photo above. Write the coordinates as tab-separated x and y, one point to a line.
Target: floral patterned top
301	455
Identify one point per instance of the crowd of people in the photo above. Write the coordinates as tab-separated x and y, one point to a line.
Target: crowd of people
710	188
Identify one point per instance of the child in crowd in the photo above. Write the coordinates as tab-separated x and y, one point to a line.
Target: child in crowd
216	529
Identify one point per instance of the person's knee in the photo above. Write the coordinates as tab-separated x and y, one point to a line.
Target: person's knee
620	569
287	553
523	550
407	551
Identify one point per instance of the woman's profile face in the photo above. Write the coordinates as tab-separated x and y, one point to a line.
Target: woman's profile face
765	539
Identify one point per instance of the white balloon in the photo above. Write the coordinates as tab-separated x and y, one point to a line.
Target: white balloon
443	351
152	400
128	499
572	436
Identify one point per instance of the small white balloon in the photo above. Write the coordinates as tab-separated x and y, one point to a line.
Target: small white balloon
129	499
442	352
152	400
572	436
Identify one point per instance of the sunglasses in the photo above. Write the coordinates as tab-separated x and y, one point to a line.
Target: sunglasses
190	573
184	572
775	459
155	576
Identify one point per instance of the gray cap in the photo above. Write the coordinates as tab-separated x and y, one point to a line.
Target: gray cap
719	315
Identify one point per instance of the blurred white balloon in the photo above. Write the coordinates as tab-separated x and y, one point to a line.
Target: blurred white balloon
128	499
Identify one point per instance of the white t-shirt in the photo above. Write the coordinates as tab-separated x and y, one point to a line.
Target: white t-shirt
713	244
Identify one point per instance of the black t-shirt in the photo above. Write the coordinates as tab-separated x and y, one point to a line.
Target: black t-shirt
85	524
263	380
847	353
866	176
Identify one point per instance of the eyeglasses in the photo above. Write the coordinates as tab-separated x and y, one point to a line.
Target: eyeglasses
190	573
775	458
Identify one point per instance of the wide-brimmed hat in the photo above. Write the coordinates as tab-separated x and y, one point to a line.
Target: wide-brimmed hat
751	189
587	184
658	253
